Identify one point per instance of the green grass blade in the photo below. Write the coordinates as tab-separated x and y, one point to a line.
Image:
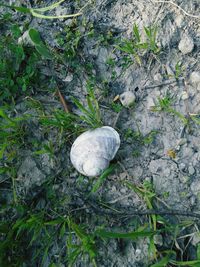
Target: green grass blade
54	222
195	119
162	263
198	252
2	150
165	260
35	14
90	105
35	36
53	6
136	32
80	106
43	51
195	263
18	8
102	178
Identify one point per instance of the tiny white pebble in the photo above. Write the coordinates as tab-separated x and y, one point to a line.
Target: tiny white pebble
195	77
191	170
184	95
186	44
127	98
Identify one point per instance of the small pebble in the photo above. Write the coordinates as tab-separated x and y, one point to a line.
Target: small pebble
191	170
127	98
68	78
196	239
184	95
25	39
114	189
123	175
182	141
177	147
158	77
184	179
158	240
192	200
182	166
138	252
123	190
179	20
195	187
186	44
150	103
195	77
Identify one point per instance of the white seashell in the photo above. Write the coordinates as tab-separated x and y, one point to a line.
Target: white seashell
127	98
93	150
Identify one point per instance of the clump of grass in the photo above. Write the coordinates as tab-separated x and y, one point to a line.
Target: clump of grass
28	227
18	66
139	140
12	133
91	114
84	246
162	227
165	105
136	47
116	107
138	137
63	121
195	118
89	118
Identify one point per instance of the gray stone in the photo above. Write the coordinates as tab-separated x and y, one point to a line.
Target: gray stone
195	187
123	175
103	55
114	189
25	39
184	95
29	174
182	141
184	179
158	240
182	166
186	44
68	78
196	238
123	190
177	147
167	32
179	20
191	170
158	77
150	103
192	200
195	77
47	163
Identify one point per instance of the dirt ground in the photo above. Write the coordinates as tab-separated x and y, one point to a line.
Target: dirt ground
158	148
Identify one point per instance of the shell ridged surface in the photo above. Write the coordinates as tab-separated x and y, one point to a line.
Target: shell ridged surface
93	150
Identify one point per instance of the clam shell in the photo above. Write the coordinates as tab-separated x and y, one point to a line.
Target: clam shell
93	150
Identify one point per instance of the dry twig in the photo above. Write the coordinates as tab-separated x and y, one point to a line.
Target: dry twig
180	8
62	100
135	212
